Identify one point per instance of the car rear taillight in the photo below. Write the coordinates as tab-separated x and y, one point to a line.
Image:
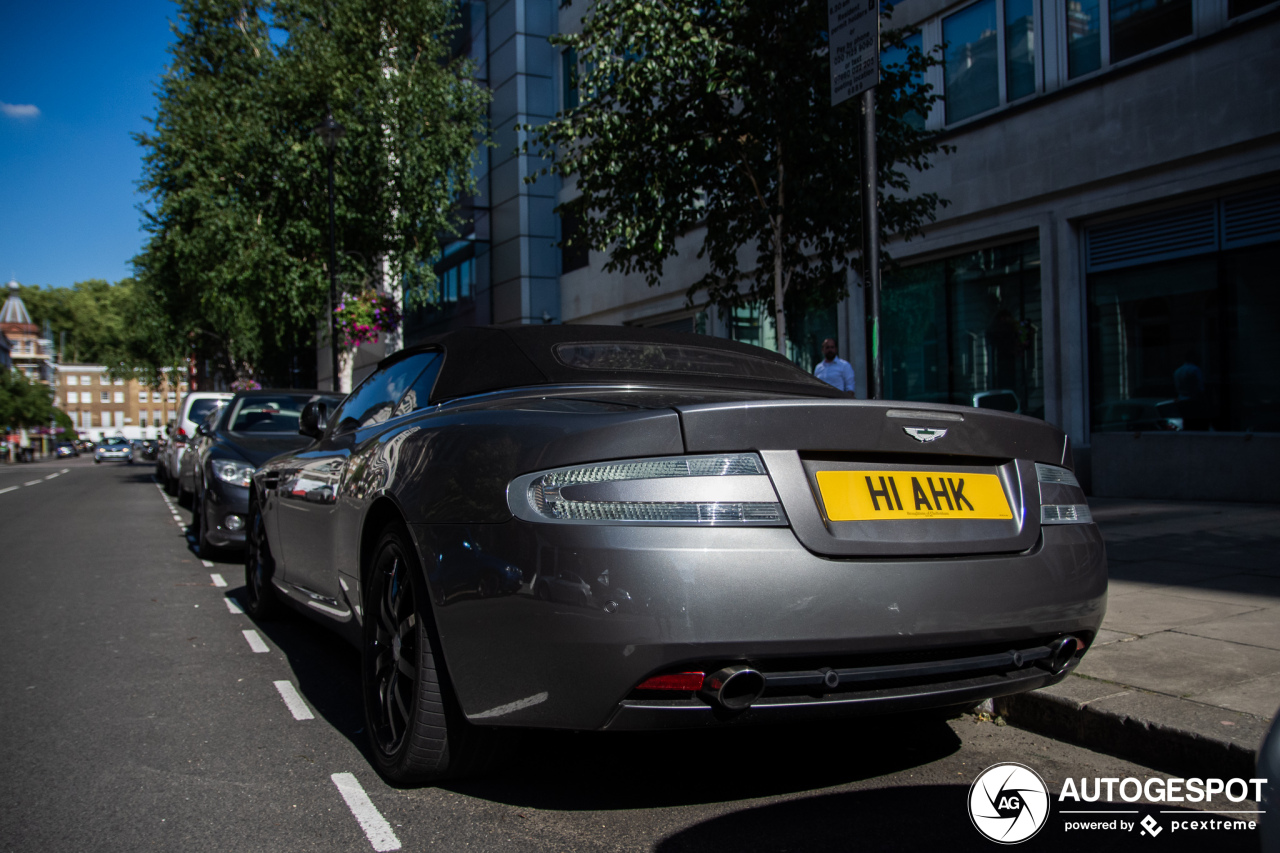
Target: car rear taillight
728	489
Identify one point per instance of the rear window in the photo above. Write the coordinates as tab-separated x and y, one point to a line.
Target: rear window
628	356
202	407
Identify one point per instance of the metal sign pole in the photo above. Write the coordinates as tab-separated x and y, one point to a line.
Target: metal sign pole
853	28
871	218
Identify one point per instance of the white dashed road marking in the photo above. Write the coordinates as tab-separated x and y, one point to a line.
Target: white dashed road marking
207	564
64	470
218	580
51	476
10	489
296	706
375	826
233	605
33	483
255	642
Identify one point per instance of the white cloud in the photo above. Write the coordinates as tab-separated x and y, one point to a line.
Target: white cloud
19	110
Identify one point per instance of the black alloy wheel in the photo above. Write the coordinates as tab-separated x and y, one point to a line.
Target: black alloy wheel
416	729
259	568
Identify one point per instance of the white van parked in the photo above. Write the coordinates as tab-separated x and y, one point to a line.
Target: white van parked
195	407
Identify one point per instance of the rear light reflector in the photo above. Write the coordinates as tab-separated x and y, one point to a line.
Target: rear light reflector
1066	514
691	681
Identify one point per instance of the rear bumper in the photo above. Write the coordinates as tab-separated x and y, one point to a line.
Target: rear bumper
638	715
663	598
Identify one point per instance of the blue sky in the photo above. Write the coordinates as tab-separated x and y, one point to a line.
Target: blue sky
69	167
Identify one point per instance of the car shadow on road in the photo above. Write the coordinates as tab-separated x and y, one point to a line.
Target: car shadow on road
582	771
326	668
919	817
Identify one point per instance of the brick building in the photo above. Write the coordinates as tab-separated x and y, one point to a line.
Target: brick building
100	406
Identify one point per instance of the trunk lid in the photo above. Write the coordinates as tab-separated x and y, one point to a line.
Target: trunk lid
888	478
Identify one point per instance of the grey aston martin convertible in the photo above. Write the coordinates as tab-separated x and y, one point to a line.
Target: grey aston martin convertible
617	528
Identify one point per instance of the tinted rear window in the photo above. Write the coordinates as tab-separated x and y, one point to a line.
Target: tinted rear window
628	356
202	407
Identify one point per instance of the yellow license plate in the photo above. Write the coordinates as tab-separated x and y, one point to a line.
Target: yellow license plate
877	495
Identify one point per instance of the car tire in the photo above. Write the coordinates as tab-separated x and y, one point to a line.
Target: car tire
184	497
260	600
417	732
204	547
170	485
97	462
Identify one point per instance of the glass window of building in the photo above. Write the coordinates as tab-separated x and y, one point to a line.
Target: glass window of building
959	329
73	397
1084	37
971	69
1141	25
105	397
1187	344
71	380
1019	49
1236	8
569	79
894	59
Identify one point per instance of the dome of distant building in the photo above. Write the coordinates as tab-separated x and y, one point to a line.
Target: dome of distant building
15	310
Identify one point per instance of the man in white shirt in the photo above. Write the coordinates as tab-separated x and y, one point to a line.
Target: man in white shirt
833	369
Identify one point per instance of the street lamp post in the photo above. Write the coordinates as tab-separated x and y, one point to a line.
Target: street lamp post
330	131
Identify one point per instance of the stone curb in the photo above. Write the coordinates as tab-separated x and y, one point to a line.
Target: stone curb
1163	732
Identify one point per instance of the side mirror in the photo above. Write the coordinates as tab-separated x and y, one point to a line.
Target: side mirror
314	419
201	429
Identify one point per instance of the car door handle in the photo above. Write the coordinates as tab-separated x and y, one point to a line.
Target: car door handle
271	479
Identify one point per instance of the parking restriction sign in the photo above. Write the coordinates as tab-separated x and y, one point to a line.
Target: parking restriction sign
854	28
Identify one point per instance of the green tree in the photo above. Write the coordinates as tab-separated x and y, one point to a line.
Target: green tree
92	317
23	404
235	268
717	115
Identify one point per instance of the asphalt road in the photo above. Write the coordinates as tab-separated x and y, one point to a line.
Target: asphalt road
136	715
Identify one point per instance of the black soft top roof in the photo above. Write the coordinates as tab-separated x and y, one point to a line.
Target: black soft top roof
479	359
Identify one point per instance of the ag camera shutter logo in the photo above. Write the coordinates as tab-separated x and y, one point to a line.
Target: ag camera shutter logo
1008	802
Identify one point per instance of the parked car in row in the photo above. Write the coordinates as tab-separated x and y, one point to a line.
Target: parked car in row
67	449
228	446
616	528
195	406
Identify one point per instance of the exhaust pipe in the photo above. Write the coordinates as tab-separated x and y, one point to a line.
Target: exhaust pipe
733	688
1063	651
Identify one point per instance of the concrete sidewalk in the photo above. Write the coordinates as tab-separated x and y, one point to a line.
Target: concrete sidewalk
1185	675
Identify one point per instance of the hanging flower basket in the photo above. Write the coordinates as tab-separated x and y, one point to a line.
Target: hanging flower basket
364	316
246	385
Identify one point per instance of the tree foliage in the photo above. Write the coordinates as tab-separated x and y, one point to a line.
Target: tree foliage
23	403
718	115
91	321
236	179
